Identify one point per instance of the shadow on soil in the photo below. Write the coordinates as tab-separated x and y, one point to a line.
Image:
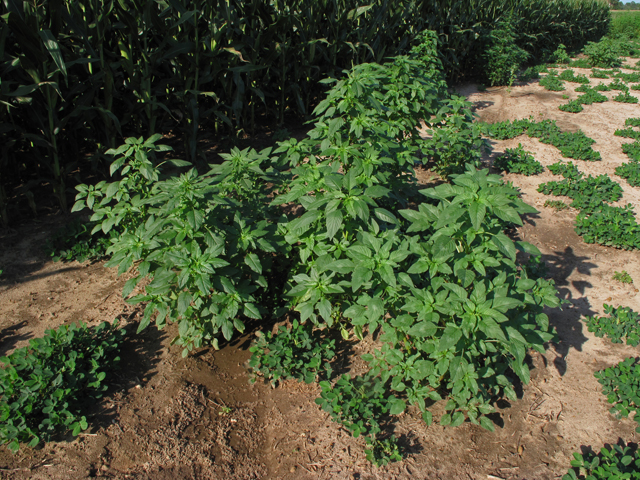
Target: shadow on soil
567	323
140	355
9	337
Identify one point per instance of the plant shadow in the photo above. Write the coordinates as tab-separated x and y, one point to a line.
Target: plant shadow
9	337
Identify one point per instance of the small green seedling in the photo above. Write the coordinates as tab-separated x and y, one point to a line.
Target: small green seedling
623	277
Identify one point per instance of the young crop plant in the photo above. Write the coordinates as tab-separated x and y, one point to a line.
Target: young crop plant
569	76
635	87
623	277
595	73
552	83
620	324
611	226
574	106
601	87
571	145
591	96
628	77
587	193
625	97
46	387
518	160
632	150
627	133
618	85
632	122
299	352
615	462
630	172
621	384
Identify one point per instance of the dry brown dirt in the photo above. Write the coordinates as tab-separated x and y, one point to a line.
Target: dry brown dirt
199	418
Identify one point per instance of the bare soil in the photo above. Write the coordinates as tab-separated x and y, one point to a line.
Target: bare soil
170	417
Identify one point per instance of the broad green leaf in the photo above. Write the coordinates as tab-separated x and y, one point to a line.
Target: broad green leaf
254	262
334	222
450	337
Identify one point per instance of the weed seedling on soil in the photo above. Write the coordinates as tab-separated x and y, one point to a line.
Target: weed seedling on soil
46	386
623	277
75	242
299	352
518	160
620	324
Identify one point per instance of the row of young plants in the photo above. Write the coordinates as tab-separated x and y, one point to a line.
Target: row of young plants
620	384
332	229
597	221
630	171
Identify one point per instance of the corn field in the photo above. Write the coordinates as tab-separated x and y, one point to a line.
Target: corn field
76	77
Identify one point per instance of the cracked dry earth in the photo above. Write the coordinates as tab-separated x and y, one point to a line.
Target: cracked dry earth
199	418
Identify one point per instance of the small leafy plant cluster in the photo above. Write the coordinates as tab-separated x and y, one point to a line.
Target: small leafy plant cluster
571	145
560	55
625	97
74	241
618	85
611	226
601	87
590	95
628	77
552	83
299	352
615	462
596	73
586	193
621	385
569	75
46	386
580	63
623	277
620	324
630	171
361	405
518	160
